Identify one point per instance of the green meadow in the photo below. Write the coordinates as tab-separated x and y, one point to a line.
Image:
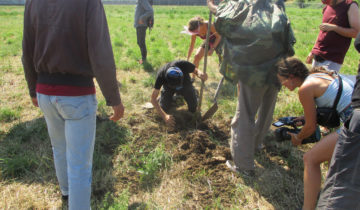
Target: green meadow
139	163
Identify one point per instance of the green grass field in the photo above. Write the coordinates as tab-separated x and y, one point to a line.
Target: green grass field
139	163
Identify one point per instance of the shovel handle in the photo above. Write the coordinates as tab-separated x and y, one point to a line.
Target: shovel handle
205	60
218	88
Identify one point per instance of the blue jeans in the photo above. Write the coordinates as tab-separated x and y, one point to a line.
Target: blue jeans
71	123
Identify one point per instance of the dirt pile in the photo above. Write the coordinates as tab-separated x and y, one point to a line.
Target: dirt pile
203	154
199	151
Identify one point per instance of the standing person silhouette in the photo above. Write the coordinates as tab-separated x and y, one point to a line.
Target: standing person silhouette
255	37
65	45
340	23
143	13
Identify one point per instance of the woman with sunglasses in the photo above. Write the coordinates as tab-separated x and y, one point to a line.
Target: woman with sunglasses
317	87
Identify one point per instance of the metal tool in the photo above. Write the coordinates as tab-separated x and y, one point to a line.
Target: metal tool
214	107
205	61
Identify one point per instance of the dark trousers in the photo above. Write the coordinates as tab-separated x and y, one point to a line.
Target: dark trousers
342	185
188	92
140	35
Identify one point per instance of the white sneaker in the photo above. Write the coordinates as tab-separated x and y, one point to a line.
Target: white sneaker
233	168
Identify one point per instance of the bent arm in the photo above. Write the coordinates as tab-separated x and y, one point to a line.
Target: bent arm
306	97
353	14
156	104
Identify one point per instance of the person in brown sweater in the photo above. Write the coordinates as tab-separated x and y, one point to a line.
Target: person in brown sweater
65	45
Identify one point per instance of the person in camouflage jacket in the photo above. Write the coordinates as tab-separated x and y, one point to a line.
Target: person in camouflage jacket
256	35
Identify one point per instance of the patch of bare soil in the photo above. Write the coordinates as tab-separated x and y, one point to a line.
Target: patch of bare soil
201	147
204	164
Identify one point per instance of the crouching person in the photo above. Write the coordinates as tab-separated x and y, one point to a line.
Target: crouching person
174	77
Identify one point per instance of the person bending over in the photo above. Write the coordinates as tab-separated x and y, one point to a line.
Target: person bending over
197	27
174	78
316	88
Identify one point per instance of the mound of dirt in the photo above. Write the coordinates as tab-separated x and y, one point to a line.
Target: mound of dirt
199	149
199	154
197	146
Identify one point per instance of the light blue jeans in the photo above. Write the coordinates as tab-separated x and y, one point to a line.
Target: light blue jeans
71	122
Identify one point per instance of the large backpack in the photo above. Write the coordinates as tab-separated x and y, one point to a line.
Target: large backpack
255	34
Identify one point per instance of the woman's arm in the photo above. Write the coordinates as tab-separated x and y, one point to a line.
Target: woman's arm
306	97
191	47
354	21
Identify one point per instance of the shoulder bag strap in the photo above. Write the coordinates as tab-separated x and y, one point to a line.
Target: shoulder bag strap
338	95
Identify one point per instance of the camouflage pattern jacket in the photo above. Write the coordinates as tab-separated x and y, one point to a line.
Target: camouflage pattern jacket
256	34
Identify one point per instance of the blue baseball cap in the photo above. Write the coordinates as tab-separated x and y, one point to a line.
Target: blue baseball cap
174	77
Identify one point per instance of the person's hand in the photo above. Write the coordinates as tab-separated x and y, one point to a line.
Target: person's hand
211	51
309	58
141	22
169	120
327	27
299	121
294	139
212	6
118	112
35	101
202	76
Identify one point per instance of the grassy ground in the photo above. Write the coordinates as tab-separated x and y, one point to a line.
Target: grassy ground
139	162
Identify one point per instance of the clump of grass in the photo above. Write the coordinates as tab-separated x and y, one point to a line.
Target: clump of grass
16	166
151	165
120	202
149	81
8	115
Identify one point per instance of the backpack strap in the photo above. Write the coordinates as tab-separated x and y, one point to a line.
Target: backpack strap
338	95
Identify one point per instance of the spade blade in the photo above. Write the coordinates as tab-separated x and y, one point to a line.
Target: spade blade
210	112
